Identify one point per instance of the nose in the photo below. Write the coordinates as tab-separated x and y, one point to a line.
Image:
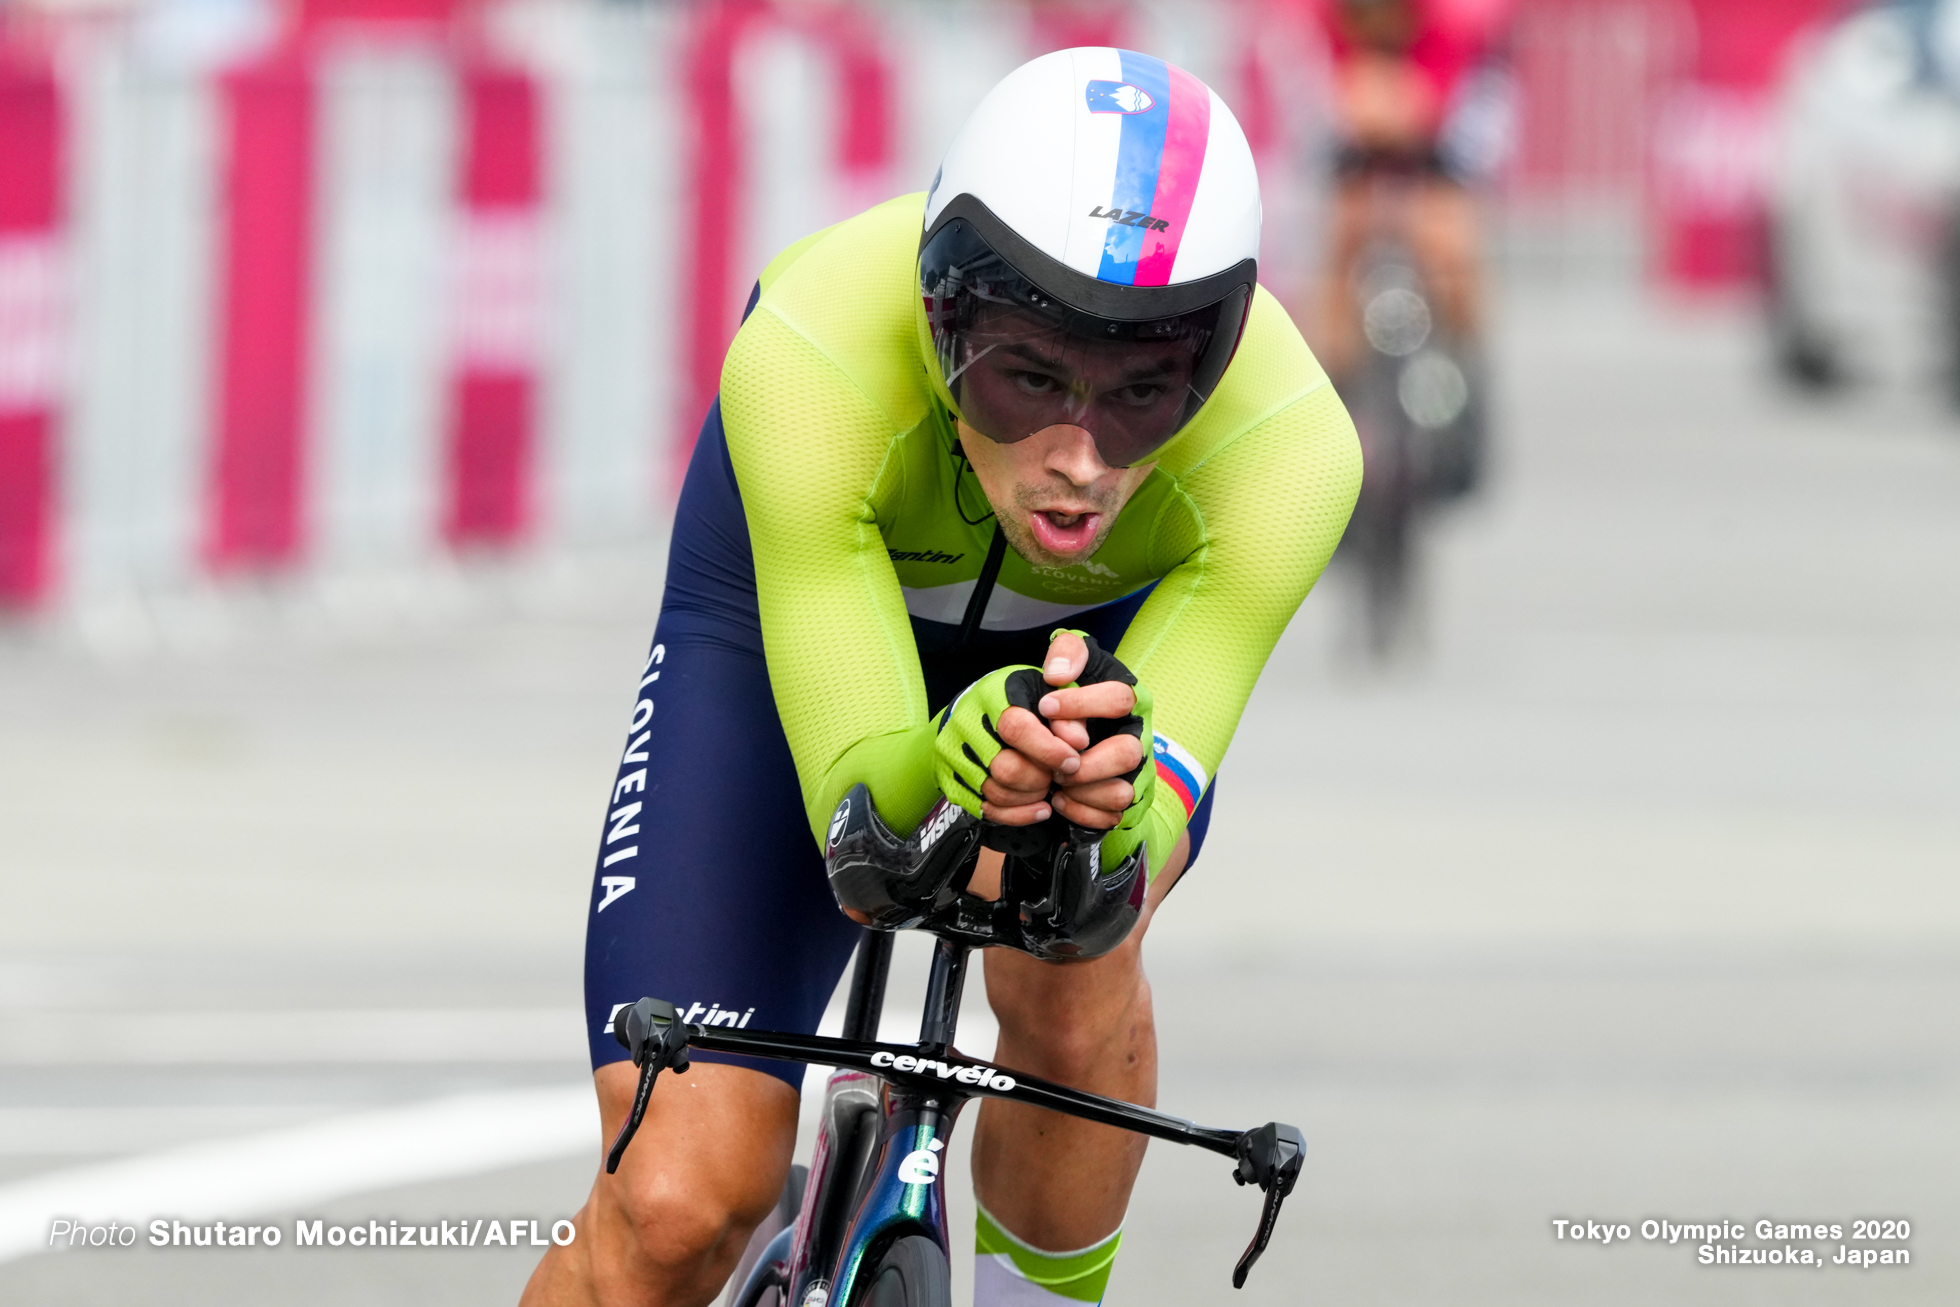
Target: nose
1072	453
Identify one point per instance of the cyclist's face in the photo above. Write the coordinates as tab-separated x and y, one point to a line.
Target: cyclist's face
1022	376
1055	496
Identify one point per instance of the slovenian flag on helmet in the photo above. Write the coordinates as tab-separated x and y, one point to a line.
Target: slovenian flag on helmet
1179	770
1160	154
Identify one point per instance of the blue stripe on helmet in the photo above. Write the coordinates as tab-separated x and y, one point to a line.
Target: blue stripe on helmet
1139	153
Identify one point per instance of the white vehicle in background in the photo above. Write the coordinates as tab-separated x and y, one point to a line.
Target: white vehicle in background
1864	247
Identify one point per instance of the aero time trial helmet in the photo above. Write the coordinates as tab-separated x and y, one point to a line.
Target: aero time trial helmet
1090	251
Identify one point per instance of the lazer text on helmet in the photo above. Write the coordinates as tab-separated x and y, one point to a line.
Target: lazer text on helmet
1130	218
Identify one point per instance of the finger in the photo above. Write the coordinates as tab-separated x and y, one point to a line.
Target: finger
992	791
1103	699
1115	756
1084	815
1113	795
1016	771
1070	732
1067	656
1024	815
1022	730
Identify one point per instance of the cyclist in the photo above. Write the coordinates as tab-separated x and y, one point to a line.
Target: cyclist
1047	394
1416	96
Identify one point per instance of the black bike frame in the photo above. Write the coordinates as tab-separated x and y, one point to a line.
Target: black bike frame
921	1089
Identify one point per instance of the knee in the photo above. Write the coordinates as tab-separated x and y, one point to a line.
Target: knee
685	1226
1068	1024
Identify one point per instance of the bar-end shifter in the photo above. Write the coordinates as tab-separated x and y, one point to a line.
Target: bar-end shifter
653	1032
1269	1157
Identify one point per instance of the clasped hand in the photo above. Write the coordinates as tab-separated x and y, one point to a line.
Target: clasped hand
1052	766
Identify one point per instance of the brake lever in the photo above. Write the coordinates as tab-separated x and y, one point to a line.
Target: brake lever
1269	1157
653	1033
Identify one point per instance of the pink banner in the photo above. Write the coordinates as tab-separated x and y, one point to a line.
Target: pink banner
499	307
715	287
715	171
863	150
257	471
1065	24
1711	148
30	323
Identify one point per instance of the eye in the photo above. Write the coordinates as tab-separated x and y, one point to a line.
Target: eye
1035	383
1140	394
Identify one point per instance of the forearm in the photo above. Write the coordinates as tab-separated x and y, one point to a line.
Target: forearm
898	770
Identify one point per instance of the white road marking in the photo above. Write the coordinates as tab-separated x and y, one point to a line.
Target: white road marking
47	1037
113	1131
308	1164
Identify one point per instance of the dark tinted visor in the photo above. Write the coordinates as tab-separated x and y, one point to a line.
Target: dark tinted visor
1017	360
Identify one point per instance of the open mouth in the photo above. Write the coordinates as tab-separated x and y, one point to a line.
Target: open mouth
1064	533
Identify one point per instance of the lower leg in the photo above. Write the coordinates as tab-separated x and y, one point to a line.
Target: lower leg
1053	1189
1052	1180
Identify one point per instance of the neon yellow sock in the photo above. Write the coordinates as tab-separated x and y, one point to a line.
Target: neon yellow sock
1010	1273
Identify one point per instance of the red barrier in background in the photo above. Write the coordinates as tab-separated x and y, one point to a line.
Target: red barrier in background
498	306
31	304
1066	24
715	288
1591	76
428	14
1712	144
257	461
257	471
1254	103
864	141
257	485
864	148
715	171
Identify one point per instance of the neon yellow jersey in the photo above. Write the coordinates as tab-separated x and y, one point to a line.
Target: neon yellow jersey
860	522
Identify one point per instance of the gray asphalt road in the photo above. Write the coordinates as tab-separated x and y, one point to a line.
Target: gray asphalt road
1631	896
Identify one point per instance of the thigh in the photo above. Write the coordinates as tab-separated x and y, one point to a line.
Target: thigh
710	889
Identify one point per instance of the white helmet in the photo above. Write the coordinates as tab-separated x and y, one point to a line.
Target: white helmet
1090	251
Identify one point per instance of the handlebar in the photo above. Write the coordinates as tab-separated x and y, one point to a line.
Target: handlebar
1268	1156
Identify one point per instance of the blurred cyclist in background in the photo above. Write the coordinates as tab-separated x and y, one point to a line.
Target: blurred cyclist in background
1417	98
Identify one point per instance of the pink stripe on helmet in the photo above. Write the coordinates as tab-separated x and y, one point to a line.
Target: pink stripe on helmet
1177	175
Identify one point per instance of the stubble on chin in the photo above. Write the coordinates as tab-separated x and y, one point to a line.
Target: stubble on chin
1020	536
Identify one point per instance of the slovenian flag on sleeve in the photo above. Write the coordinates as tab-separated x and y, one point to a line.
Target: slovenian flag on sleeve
1179	770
